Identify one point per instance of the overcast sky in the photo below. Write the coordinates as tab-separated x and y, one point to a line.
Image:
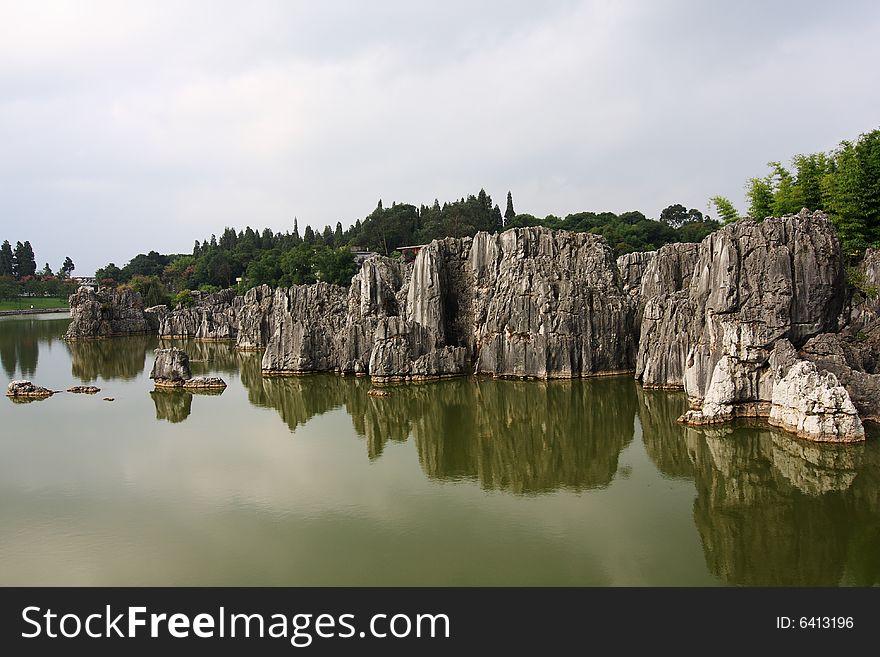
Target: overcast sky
131	126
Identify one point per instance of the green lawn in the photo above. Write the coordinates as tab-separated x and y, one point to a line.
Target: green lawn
24	303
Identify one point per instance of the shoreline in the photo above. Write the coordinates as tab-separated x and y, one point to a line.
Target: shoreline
34	311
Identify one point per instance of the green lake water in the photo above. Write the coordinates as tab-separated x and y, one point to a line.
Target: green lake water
310	481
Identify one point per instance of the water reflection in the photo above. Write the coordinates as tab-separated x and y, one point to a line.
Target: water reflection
524	437
738	505
22	336
172	405
115	358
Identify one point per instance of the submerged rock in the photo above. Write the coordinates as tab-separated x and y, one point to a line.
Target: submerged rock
87	390
24	388
205	382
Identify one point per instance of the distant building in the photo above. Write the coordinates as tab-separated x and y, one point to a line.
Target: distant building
361	254
90	281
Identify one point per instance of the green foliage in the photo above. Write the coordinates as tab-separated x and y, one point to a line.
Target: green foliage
66	268
845	183
6	260
207	288
335	266
760	194
726	212
859	282
151	289
183	298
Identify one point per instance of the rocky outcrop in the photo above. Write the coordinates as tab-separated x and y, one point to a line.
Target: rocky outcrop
171	370
632	268
154	316
105	312
84	390
171	367
752	285
813	405
665	314
204	383
855	361
22	388
530	303
210	317
309	321
549	304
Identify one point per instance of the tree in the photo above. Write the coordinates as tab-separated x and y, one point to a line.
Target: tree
335	266
509	213
109	275
308	235
46	272
6	259
674	215
724	208
760	194
25	263
151	289
66	268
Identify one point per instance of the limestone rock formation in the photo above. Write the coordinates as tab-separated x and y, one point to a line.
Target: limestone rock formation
547	304
632	268
171	367
171	370
211	317
23	388
665	315
204	383
308	323
815	406
855	361
105	313
752	285
154	316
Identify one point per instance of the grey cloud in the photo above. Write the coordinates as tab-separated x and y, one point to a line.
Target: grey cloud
132	126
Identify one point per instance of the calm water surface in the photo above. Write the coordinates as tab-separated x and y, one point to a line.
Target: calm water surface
309	481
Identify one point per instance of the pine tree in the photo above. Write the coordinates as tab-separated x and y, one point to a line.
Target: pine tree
6	259
66	268
24	263
509	213
338	235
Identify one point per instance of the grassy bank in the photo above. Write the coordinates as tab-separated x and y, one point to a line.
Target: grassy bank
39	303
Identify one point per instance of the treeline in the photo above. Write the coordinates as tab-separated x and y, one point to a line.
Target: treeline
248	258
845	183
19	275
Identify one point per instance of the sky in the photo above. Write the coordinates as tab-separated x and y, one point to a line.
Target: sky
134	126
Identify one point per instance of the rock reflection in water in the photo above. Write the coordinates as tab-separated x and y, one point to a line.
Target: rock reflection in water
523	437
659	411
773	510
205	356
526	436
172	405
112	358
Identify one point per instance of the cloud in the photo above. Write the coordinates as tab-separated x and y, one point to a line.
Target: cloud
135	126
